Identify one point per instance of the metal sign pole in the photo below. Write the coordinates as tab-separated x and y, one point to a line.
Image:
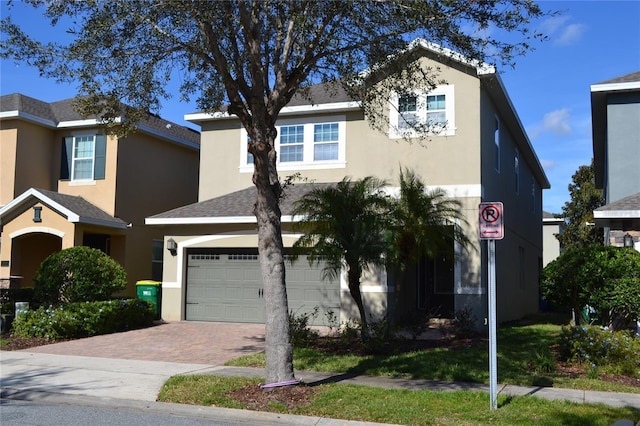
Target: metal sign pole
493	358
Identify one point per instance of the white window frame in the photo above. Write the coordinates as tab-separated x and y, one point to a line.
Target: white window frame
395	116
308	162
73	177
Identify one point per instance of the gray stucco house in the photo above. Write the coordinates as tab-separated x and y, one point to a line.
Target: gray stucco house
615	110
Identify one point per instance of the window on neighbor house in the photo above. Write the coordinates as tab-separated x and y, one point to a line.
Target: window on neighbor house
516	166
83	158
434	111
157	253
303	145
533	194
496	140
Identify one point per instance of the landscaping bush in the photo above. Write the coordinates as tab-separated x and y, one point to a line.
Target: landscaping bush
612	351
78	274
605	278
300	327
84	319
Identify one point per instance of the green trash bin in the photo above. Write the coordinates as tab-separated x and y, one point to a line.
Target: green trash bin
150	291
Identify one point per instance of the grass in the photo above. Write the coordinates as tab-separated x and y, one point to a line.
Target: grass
402	406
524	358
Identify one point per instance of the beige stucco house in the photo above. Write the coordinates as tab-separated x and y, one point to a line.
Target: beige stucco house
482	153
64	182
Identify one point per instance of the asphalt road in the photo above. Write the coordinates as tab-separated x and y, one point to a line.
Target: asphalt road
17	412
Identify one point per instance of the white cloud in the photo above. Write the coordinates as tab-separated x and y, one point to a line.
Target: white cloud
561	32
553	24
557	122
570	35
548	164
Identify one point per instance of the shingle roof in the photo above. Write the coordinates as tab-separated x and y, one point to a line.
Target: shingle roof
83	208
632	202
68	205
62	111
238	204
627	78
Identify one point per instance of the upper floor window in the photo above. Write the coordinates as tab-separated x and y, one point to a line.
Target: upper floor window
301	144
291	143
325	141
432	112
516	168
496	141
83	158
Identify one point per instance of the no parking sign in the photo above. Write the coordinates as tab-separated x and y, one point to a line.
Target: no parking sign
491	221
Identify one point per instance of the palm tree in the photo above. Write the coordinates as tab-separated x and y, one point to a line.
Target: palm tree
424	222
344	225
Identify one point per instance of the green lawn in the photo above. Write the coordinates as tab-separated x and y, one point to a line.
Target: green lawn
524	358
403	406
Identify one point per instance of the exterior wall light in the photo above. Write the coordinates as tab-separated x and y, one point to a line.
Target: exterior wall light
628	240
172	246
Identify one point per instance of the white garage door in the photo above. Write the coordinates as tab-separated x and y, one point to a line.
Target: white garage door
227	286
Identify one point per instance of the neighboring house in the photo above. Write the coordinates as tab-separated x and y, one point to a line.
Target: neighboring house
615	116
551	226
481	154
65	183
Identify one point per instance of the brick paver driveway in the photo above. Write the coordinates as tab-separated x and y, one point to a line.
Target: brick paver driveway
211	343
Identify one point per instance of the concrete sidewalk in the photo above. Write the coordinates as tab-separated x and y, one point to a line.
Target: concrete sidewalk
126	384
25	374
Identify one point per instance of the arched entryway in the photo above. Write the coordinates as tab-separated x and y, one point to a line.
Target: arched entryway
27	253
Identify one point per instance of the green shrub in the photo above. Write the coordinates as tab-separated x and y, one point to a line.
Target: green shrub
301	333
84	319
78	274
604	277
602	349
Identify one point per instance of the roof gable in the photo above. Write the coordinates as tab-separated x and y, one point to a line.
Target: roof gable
61	114
74	209
235	207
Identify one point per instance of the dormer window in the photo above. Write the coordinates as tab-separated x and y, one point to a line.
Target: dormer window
431	112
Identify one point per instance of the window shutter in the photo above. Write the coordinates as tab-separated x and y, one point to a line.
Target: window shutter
101	154
66	158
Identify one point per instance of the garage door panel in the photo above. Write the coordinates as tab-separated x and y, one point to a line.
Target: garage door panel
228	287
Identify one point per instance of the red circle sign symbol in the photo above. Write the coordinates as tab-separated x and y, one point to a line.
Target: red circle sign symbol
490	214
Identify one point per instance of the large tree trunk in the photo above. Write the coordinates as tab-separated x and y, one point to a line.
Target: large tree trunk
278	348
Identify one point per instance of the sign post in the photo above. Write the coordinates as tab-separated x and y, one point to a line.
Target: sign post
492	229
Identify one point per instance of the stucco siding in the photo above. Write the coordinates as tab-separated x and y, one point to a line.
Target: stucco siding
623	139
26	152
100	192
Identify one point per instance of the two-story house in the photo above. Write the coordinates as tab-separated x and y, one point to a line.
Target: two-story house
64	182
481	153
615	117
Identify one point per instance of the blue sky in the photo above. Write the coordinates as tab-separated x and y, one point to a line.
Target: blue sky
589	42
